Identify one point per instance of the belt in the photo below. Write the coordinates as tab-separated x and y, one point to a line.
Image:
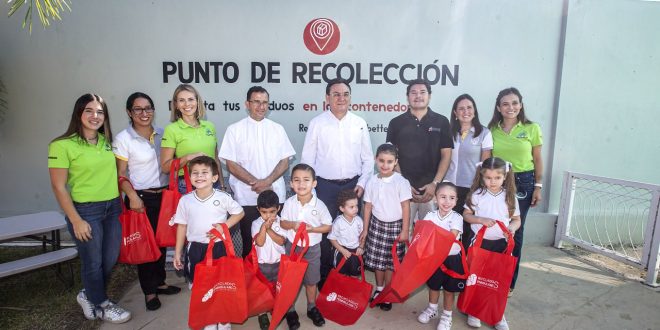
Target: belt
341	181
154	190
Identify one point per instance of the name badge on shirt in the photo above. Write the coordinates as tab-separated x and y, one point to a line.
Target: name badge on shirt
435	129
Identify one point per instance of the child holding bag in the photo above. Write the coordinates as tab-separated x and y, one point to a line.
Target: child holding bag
386	215
197	213
345	234
268	241
305	209
446	218
492	198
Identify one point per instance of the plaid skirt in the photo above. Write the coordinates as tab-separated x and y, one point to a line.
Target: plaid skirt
380	238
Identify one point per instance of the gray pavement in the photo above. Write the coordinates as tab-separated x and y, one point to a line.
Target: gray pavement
555	291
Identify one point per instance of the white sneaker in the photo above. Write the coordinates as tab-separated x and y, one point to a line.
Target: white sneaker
473	321
426	315
112	313
87	307
226	326
445	322
502	325
211	327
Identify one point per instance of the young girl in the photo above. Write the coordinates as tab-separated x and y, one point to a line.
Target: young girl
345	233
492	198
446	218
197	213
386	215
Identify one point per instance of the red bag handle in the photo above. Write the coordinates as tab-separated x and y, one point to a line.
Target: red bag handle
226	240
122	179
343	261
253	261
454	274
301	235
509	244
175	166
395	256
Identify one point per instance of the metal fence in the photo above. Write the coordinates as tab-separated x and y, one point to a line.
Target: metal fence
615	218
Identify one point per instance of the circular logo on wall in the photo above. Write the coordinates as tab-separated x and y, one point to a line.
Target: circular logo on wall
321	36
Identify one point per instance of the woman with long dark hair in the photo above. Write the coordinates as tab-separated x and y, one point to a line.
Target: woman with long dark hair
81	160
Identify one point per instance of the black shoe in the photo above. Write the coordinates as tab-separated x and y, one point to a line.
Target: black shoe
264	323
292	320
152	304
373	296
170	290
316	317
385	306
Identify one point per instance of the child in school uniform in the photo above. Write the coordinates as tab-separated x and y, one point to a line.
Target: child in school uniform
345	234
197	213
268	240
492	198
305	209
386	215
446	218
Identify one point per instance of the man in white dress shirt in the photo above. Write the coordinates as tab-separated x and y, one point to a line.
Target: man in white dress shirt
338	147
256	151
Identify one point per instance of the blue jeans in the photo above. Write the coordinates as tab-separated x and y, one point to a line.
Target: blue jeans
100	253
524	192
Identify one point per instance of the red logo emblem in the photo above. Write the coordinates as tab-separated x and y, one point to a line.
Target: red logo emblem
321	36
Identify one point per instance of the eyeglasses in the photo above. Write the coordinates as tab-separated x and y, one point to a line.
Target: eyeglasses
338	95
145	109
259	103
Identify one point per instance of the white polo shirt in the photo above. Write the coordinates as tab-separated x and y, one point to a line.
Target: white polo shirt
465	156
270	252
346	233
489	205
339	149
451	221
143	157
314	213
386	195
257	146
201	214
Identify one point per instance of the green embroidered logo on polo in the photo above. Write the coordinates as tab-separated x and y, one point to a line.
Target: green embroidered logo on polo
209	132
522	135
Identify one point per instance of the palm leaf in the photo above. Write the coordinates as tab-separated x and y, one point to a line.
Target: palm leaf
47	10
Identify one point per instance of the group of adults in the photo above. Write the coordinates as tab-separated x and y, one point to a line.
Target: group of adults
257	151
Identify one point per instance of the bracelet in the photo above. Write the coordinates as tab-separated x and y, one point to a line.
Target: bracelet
540	185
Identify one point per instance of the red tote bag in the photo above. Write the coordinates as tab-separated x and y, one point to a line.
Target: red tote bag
218	292
343	298
138	244
260	291
428	249
490	275
289	278
166	234
389	295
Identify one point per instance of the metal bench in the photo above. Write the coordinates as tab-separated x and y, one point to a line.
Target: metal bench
29	226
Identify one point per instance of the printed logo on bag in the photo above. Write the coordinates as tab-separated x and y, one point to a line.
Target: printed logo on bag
473	279
321	36
220	286
132	238
348	302
278	286
418	236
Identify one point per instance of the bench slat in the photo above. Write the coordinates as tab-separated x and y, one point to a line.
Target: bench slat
38	261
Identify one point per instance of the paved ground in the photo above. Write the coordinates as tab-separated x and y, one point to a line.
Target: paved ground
555	291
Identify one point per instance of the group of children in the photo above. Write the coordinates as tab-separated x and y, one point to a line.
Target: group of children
386	218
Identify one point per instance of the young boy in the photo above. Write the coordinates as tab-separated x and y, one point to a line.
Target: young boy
307	210
197	213
345	233
266	232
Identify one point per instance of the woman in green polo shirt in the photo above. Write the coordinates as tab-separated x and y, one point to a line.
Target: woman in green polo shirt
82	159
518	140
188	136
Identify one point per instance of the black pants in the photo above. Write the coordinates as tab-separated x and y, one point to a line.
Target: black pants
151	274
327	192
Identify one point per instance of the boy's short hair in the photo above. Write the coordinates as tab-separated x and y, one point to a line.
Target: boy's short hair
345	196
267	199
304	167
205	161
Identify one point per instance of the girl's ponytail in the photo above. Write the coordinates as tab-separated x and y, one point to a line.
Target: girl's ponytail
510	187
